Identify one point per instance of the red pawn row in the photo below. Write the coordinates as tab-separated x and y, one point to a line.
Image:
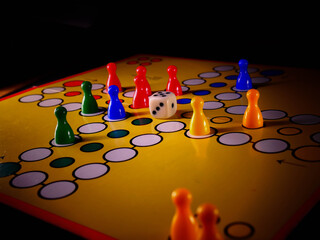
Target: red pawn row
143	89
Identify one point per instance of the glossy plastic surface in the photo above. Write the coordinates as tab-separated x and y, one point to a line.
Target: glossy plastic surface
183	225
63	132
252	117
199	125
244	81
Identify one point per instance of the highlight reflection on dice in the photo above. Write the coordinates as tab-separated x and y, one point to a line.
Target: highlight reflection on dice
163	104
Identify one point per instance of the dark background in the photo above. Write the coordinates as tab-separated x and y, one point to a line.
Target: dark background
45	42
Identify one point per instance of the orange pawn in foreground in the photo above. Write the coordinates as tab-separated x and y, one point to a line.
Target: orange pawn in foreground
252	117
183	225
199	125
208	215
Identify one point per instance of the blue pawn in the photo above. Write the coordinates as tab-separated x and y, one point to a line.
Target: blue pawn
243	81
115	109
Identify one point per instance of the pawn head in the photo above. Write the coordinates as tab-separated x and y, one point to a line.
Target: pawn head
60	112
86	86
253	95
207	213
141	70
181	197
111	67
113	90
197	102
243	63
172	69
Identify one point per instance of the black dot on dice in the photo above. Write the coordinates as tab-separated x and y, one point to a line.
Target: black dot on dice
172	105
154	112
157	108
155	95
161	104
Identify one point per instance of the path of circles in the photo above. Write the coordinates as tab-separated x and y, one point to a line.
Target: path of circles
64	188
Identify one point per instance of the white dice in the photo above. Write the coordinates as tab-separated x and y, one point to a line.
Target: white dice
162	104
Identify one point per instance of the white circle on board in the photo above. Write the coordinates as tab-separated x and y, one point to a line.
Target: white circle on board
273	114
305	119
59	189
211	105
53	90
28	179
170	126
209	74
194	81
185	89
234	138
72	106
96	86
129	94
237	110
53	142
50	102
316	137
120	154
271	145
146	140
260	80
91	171
228	96
213	131
224	68
92	128
35	154
31	98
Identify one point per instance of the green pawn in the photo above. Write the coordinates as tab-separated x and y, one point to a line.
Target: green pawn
63	133
89	104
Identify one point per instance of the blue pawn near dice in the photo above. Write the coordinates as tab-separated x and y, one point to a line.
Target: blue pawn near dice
244	82
115	109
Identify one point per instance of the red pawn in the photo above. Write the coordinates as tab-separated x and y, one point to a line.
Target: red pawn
140	97
113	78
141	72
173	84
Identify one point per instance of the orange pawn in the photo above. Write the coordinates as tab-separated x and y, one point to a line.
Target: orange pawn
252	117
208	215
183	225
199	125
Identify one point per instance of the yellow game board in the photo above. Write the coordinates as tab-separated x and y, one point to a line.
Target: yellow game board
116	181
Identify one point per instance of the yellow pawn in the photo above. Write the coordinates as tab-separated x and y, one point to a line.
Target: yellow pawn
252	117
199	125
208	216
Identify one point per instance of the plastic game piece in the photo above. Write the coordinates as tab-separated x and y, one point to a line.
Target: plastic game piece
183	225
63	132
89	103
113	78
140	97
141	72
115	110
244	81
252	117
173	84
199	125
162	104
208	216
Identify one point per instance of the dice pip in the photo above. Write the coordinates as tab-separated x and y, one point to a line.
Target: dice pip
163	104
